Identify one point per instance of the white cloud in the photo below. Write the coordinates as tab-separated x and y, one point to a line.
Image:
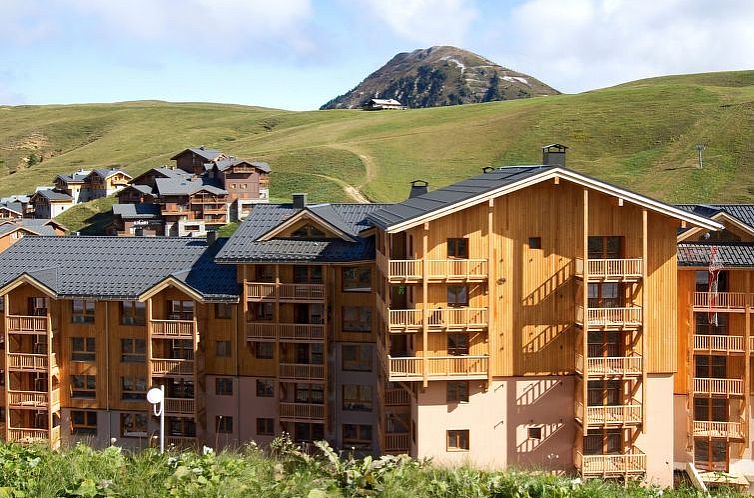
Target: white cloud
578	45
427	22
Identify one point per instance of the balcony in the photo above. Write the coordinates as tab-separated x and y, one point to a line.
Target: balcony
397	397
438	368
439	319
302	412
397	443
610	415
173	329
31	362
718	387
294	293
722	301
179	406
302	371
18	324
169	367
724	344
32	399
608	366
438	270
714	429
291	332
33	436
610	270
180	441
634	462
610	318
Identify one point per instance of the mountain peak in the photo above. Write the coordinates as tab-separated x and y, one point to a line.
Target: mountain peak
439	76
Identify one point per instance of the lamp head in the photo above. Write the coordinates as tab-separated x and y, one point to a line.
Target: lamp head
155	395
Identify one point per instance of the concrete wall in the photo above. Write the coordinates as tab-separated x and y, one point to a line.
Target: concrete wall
682	454
657	440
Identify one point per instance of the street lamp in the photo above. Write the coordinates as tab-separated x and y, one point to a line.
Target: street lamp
156	396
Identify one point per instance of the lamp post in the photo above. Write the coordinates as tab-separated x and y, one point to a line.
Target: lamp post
156	396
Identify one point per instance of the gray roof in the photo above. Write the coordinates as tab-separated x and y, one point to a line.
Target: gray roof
742	212
77	177
37	226
165	172
15	198
13	206
136	211
245	246
733	254
144	189
208	154
54	195
226	163
119	267
182	186
107	173
452	194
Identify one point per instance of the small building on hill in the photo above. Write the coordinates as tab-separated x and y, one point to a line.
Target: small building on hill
13	230
382	104
49	203
139	220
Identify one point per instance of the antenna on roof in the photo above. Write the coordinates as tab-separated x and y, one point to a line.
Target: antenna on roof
488	169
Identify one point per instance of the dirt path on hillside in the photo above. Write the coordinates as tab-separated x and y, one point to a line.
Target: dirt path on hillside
370	170
352	192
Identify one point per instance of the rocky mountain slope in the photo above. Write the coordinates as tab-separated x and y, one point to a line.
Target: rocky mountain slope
440	76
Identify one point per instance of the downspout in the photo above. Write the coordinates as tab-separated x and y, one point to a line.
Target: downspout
107	370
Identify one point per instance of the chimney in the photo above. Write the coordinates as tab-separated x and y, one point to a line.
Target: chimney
554	155
211	237
418	187
299	201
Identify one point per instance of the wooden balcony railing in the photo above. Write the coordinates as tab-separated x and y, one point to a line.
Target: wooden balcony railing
285	331
719	387
438	319
611	415
302	411
605	318
611	269
28	436
183	406
173	328
438	367
302	371
285	292
723	300
31	362
728	430
719	343
180	441
631	463
18	324
163	366
397	397
397	442
412	270
610	365
30	399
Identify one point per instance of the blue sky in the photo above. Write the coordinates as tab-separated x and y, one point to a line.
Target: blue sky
297	54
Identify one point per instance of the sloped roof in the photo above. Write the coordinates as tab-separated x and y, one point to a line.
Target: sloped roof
742	212
499	181
144	189
77	177
119	267
54	195
228	162
165	172
208	154
107	173
16	207
384	102
136	211
245	244
183	186
733	254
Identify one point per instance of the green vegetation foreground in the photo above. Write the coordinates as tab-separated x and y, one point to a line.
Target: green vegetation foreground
285	472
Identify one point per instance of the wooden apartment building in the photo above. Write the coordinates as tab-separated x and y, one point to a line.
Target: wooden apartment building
530	316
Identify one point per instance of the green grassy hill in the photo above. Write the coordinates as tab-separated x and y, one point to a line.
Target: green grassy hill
640	135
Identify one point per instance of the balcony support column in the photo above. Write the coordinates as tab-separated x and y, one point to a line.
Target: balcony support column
585	319
425	301
644	355
49	379
276	319
6	374
491	287
747	375
150	317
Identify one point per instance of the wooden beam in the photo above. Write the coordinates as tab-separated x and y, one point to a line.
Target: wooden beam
425	311
6	374
747	377
620	201
491	288
644	358
585	319
556	180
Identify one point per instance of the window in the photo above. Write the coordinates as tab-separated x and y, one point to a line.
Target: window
458	248
306	433
601	247
605	295
704	327
357	319
308	232
182	349
535	242
265	388
264	273
263	350
133	388
83	349
607	442
309	354
133	424
357	435
224	311
133	350
313	394
224	386
714	367
83	422
181	427
265	427
357	398
458	295
458	344
38	306
307	274
458	440
604	393
180	310
458	392
357	279
261	312
357	357
2	305
83	386
222	348
82	311
133	313
534	433
224	424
